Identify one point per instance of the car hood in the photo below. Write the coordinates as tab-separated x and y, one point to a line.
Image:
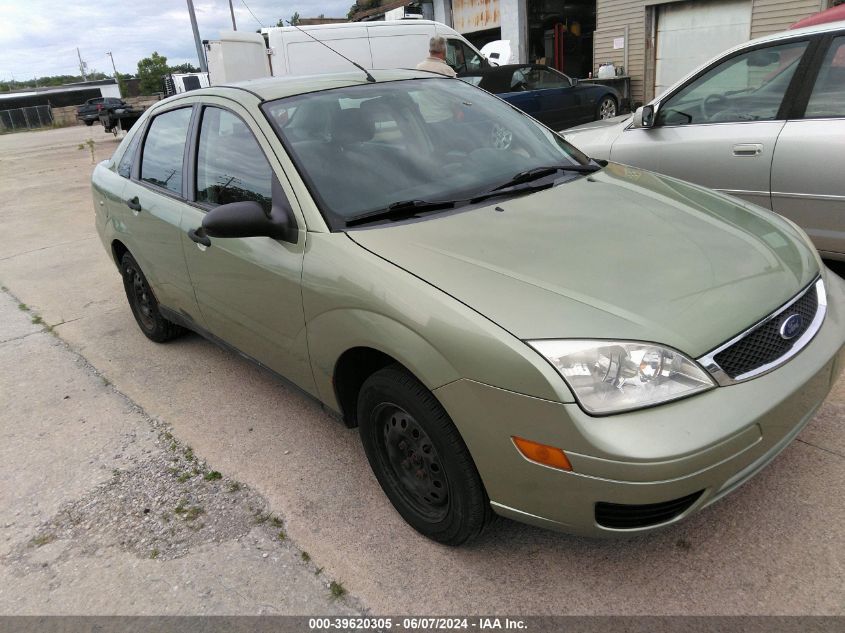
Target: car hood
621	254
596	139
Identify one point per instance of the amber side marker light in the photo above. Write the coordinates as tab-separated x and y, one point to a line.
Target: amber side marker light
542	454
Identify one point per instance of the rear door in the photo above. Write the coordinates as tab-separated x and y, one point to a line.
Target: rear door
808	171
248	288
155	198
719	128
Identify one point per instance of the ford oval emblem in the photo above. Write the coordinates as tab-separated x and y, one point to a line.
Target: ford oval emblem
790	326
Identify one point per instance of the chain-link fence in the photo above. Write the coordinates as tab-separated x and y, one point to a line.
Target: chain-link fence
26	118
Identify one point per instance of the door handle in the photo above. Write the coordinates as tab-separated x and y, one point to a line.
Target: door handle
199	237
134	204
748	149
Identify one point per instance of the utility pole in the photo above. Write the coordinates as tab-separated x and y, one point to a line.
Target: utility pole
232	11
82	64
197	40
114	68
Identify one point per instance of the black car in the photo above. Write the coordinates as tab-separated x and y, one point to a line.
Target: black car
90	111
546	94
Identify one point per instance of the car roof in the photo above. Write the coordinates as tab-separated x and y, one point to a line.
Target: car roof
270	88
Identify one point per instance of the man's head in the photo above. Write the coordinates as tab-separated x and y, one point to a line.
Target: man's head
437	47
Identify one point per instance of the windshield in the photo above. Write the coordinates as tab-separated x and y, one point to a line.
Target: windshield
363	148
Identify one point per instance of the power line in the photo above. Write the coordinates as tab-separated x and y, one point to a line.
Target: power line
252	14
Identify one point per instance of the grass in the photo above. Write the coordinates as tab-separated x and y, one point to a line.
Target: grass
282	536
37	320
189	512
189	454
337	590
212	475
183	478
154	553
23	306
38	541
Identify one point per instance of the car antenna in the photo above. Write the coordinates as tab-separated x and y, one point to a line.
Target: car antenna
370	78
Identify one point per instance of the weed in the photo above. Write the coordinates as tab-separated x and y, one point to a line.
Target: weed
90	144
105	380
318	571
38	541
190	513
154	554
261	517
168	436
305	556
37	320
183	478
189	454
23	306
276	522
337	590
282	535
173	446
211	476
233	487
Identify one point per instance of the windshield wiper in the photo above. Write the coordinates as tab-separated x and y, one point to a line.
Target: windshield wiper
400	211
539	172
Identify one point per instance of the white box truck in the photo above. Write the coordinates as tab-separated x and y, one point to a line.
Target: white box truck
287	50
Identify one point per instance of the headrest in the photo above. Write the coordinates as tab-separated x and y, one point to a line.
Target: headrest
352	126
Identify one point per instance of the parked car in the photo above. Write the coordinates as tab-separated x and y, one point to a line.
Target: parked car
764	121
546	94
513	328
90	111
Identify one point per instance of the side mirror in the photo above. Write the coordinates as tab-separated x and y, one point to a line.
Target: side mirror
248	219
573	82
644	116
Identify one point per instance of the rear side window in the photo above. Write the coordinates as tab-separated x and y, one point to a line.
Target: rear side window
124	167
231	166
828	96
164	149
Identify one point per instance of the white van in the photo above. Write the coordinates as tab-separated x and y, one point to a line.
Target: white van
374	45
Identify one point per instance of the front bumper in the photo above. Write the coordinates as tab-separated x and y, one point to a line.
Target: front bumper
710	443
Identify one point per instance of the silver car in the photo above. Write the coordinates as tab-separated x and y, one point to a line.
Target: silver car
764	121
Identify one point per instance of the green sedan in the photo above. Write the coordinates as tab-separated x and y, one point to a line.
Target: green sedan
513	328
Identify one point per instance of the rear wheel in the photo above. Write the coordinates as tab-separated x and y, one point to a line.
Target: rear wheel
419	458
144	304
606	108
89	123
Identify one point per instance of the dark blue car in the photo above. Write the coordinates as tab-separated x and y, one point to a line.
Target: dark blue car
546	94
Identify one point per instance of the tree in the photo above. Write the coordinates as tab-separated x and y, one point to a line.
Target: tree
294	19
187	67
150	72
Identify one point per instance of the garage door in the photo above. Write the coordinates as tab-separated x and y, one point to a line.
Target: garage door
690	34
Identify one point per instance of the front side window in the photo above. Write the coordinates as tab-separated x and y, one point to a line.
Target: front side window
461	57
363	148
231	166
747	87
828	96
545	79
164	149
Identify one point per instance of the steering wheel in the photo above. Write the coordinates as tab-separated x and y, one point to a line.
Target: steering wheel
501	137
713	104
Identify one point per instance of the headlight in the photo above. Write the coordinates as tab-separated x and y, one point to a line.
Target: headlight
614	376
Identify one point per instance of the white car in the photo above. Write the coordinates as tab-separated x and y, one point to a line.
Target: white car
764	121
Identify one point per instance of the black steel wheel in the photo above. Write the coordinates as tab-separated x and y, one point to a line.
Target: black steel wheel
144	304
419	458
607	108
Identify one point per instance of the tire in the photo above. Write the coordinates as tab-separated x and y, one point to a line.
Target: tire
89	123
607	108
144	304
419	458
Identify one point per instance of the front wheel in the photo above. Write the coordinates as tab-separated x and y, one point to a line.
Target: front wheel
606	108
419	458
89	123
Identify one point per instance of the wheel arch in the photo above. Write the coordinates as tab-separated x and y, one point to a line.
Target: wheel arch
118	250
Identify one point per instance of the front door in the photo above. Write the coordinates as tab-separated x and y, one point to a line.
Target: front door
720	128
248	288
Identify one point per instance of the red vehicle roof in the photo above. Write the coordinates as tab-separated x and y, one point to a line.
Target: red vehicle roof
830	15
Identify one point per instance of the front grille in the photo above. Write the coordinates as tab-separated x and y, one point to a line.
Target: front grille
620	516
764	344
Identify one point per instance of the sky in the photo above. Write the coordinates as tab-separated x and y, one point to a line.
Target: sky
38	38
